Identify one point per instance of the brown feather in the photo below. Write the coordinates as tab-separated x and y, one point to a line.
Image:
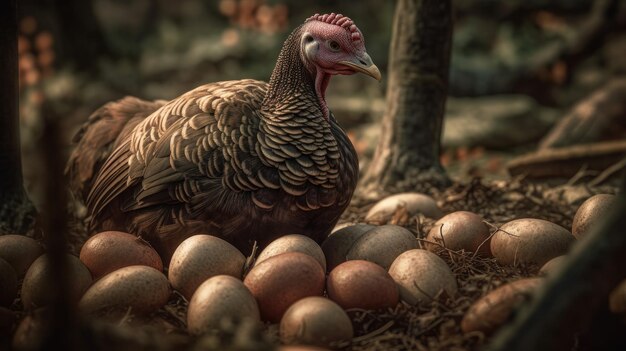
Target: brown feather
100	134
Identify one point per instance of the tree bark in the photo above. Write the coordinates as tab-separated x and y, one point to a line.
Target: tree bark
62	325
407	155
16	210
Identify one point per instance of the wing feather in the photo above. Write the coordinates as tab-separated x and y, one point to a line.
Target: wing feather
100	135
111	181
158	164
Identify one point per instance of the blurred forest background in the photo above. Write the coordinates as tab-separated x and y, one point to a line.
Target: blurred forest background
518	67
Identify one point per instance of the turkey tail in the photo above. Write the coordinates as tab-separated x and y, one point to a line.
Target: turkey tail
100	135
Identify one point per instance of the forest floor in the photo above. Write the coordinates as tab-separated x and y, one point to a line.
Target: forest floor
427	326
437	326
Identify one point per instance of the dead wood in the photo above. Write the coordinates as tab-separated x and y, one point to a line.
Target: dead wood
591	119
567	161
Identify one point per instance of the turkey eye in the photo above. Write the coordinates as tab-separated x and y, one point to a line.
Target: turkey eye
333	45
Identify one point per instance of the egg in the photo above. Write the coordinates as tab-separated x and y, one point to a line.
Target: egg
337	245
617	298
19	251
293	243
350	286
220	299
108	251
414	203
31	331
421	275
315	321
141	289
530	240
553	265
38	281
201	257
279	281
591	213
8	283
340	226
460	230
489	312
382	245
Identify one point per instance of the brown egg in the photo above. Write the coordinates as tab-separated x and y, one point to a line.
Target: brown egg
553	265
492	310
220	299
108	251
421	275
530	240
350	285
279	281
293	243
8	283
315	321
143	289
617	299
382	245
38	283
460	230
337	245
19	251
31	331
201	257
592	212
340	226
414	203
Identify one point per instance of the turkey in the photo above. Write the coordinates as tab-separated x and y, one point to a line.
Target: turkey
244	160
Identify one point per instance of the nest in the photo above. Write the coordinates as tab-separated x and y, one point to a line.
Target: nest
427	326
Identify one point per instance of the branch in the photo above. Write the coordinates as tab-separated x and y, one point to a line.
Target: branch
567	161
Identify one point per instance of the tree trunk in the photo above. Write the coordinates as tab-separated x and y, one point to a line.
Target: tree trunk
62	325
16	210
407	155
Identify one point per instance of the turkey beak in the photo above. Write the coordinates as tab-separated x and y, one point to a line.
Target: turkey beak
364	65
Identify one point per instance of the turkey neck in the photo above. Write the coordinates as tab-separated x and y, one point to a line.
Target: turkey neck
295	136
291	79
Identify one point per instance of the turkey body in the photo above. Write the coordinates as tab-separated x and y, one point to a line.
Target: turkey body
245	160
206	162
